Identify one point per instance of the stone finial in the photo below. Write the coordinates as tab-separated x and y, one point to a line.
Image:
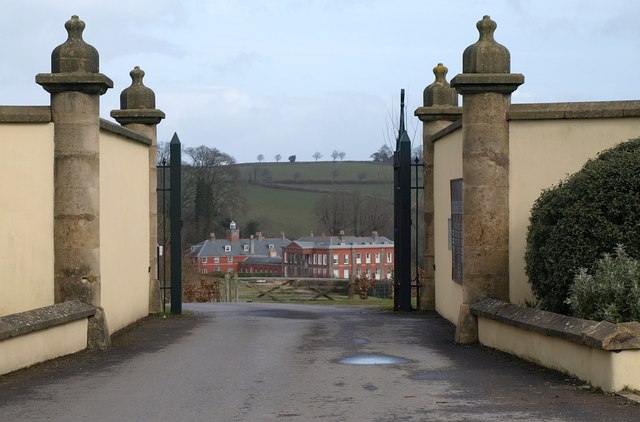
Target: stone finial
137	96
74	55
486	55
137	103
440	93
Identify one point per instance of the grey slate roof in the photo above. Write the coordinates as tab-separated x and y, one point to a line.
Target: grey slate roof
254	259
216	247
338	241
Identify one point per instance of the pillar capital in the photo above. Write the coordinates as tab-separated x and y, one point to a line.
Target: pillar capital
74	65
137	103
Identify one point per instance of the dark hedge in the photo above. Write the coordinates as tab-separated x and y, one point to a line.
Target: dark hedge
586	215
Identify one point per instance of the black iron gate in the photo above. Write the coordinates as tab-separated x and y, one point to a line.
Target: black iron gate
402	188
169	214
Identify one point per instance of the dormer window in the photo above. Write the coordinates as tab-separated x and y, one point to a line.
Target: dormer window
246	248
227	248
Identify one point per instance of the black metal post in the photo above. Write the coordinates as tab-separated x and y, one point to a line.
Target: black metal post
417	232
176	225
402	217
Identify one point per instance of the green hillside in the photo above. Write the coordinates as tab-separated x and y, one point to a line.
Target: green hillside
281	201
324	170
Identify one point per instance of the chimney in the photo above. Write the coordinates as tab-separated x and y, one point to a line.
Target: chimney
374	234
233	233
259	235
341	235
311	234
252	245
282	235
212	235
272	251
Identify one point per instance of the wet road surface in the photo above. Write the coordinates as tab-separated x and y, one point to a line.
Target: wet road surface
287	362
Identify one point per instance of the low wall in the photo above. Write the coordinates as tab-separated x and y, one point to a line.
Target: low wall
604	354
30	337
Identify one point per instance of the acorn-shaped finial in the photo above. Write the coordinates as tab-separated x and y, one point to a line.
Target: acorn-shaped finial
74	55
486	55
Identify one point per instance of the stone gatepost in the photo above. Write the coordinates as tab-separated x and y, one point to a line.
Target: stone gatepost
138	112
439	111
75	85
486	85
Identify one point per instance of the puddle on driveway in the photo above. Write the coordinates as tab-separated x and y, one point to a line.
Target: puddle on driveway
373	359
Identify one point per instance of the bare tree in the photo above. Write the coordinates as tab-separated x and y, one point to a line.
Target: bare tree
332	212
260	158
317	155
383	155
212	191
354	212
335	154
342	154
278	157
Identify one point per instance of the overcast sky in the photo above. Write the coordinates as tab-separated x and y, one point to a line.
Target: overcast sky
290	77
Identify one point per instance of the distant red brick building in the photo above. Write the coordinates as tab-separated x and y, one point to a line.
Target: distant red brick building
339	257
233	254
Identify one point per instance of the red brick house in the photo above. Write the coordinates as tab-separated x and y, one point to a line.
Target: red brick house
233	254
339	257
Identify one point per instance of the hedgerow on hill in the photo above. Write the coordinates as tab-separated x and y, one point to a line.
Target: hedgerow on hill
573	224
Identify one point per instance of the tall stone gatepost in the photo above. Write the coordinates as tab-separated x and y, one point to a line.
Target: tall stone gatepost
440	109
138	112
486	85
75	85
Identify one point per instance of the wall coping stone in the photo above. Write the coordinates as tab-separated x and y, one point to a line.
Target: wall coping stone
21	323
599	335
555	111
447	130
577	110
25	114
114	128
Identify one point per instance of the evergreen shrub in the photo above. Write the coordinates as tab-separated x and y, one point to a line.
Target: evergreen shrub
576	222
612	293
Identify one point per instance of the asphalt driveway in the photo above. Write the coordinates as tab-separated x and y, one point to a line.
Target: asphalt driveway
289	362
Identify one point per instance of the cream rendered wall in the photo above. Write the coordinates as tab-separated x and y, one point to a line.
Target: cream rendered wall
447	165
38	346
124	229
541	153
26	217
611	371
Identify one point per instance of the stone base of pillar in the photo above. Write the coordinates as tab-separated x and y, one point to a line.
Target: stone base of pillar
467	328
155	297
428	295
98	337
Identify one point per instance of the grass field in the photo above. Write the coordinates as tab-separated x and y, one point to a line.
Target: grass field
324	170
291	211
280	210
